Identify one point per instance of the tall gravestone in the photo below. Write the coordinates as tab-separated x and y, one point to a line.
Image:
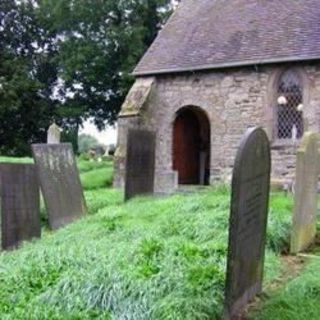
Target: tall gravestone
60	183
248	221
140	163
305	206
53	134
20	204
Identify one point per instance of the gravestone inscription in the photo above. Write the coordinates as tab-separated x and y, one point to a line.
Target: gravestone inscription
140	163
60	183
305	196
54	134
20	204
248	221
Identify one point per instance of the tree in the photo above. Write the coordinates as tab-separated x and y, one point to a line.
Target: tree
68	61
100	42
25	79
86	142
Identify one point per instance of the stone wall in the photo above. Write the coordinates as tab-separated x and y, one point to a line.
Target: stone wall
233	100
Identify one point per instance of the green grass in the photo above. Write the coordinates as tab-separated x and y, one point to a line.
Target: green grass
298	300
94	175
97	178
16	160
97	199
151	258
86	165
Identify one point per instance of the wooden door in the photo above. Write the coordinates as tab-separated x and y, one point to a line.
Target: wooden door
186	147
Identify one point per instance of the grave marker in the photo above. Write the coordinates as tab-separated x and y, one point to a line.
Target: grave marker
20	204
140	163
305	197
60	183
54	134
248	221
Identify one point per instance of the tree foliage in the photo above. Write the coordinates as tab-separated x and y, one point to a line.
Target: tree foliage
68	61
86	142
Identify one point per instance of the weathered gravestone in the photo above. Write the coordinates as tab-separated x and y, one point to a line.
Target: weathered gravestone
305	207
248	221
53	134
20	204
140	163
60	183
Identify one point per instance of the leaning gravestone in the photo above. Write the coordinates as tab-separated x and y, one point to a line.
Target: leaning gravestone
248	221
140	163
20	204
60	183
54	133
305	207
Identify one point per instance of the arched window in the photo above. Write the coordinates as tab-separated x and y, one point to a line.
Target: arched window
289	113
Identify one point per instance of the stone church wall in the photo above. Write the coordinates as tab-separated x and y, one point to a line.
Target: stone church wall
233	99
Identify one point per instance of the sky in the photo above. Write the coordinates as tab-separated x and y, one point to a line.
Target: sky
107	136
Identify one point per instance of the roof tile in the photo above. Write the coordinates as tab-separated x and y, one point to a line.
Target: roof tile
208	34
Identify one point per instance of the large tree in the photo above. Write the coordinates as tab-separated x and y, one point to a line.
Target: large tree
69	60
27	77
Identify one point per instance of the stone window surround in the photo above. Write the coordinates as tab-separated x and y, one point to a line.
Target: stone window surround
272	101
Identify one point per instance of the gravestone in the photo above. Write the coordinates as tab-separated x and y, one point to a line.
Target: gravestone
248	222
140	163
305	197
60	183
54	133
20	204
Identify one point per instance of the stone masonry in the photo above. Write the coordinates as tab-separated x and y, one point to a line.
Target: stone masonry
233	100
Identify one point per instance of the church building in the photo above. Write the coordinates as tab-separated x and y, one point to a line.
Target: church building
217	68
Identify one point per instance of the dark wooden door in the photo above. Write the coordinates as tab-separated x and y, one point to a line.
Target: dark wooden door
186	147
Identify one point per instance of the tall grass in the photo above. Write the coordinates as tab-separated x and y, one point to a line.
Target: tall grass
151	258
97	178
298	300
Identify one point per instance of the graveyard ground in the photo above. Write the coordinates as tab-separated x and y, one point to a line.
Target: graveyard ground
151	258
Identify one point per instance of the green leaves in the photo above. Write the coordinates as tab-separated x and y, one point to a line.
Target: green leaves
68	60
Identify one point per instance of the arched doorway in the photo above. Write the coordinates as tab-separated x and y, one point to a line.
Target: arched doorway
191	146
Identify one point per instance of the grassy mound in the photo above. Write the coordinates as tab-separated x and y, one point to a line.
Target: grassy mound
150	258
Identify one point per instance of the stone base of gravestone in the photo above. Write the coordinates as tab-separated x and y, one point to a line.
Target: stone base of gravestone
60	183
305	197
20	204
248	222
140	163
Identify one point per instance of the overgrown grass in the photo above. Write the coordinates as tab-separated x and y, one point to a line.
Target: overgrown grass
161	258
97	199
87	165
97	178
298	300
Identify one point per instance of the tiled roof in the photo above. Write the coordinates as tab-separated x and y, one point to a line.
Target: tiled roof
209	34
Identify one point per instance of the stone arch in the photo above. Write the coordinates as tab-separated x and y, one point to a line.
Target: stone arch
191	144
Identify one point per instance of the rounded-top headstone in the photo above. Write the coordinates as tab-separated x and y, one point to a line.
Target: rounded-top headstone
54	134
248	221
306	183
